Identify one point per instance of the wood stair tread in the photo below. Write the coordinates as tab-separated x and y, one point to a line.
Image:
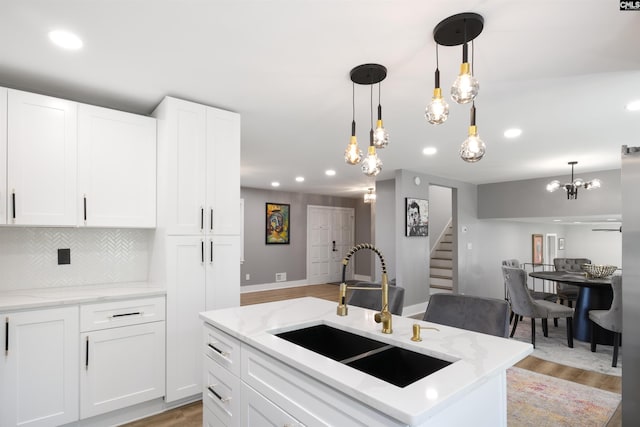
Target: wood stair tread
440	276
448	288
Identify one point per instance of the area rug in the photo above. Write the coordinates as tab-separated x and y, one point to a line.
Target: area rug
554	348
540	400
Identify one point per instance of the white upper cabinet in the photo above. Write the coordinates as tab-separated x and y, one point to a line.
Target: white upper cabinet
116	168
41	160
199	148
3	155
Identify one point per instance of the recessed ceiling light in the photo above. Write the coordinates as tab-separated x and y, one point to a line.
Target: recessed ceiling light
65	39
330	172
611	219
577	222
429	151
299	178
512	133
557	220
275	184
633	105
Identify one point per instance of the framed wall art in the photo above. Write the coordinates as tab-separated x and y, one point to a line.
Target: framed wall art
417	217
277	224
536	248
561	243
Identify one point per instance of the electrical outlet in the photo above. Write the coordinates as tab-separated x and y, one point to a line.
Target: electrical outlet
247	276
64	256
281	277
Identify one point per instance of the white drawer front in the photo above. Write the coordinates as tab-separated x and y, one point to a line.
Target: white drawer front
114	314
258	411
222	348
210	420
221	393
308	400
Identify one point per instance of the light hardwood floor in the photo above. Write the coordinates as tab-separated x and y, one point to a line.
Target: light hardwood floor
191	415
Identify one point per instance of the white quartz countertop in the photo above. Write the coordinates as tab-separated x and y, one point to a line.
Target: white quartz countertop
51	297
476	356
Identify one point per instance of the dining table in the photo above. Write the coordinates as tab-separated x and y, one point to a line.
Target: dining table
593	294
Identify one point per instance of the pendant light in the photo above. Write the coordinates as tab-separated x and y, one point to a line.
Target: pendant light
472	148
465	87
371	165
438	110
380	135
353	154
370	196
368	74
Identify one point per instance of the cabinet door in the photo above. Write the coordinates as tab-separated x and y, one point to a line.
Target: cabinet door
41	160
258	411
223	172
185	299
182	162
3	155
39	368
121	367
223	272
116	168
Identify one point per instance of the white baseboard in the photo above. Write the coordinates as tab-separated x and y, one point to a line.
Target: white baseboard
361	278
412	310
272	286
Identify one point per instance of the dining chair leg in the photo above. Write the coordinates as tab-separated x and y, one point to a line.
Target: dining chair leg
616	344
570	332
511	316
593	336
515	324
545	328
533	332
555	322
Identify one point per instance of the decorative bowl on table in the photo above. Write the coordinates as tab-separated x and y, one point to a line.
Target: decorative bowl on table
596	271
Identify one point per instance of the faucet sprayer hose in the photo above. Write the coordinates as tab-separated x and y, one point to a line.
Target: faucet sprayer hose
355	249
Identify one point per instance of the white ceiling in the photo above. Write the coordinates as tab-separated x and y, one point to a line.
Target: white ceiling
561	70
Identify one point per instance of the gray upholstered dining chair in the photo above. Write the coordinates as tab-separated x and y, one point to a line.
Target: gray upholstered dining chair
373	300
564	290
523	304
514	263
478	314
611	319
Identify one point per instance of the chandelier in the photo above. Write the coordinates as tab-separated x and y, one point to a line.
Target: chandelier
572	187
367	74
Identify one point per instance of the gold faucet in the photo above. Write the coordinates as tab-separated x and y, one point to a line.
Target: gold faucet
384	316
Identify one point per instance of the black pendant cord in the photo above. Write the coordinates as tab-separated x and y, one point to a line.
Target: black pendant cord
473	114
371	116
473	59
379	104
437	73
353	109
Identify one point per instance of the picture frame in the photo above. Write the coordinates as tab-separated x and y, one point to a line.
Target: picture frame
277	224
561	243
536	248
416	217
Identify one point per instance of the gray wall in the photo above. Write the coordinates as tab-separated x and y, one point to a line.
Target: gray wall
263	261
363	234
439	212
529	198
407	257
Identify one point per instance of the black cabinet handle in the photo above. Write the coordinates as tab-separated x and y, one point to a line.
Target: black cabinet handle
217	350
6	336
135	313
222	399
211	221
202	251
201	219
211	251
13	205
334	247
85	208
86	356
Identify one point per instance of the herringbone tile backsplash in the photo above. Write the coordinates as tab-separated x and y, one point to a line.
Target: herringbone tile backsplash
29	256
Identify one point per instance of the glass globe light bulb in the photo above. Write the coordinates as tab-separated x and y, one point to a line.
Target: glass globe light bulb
553	186
438	110
380	136
465	88
371	165
594	183
472	149
578	182
353	154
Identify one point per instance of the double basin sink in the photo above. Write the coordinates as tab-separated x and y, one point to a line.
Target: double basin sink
395	365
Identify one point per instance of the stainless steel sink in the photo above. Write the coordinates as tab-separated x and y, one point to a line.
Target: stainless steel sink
395	365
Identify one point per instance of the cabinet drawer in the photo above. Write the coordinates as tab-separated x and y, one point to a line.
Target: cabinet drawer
222	348
258	411
304	398
221	393
114	314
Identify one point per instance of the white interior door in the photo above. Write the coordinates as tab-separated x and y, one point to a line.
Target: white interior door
329	237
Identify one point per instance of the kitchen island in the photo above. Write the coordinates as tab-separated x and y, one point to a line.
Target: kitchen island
252	375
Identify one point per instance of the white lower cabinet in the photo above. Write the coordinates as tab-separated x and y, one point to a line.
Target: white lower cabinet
122	354
39	367
253	389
